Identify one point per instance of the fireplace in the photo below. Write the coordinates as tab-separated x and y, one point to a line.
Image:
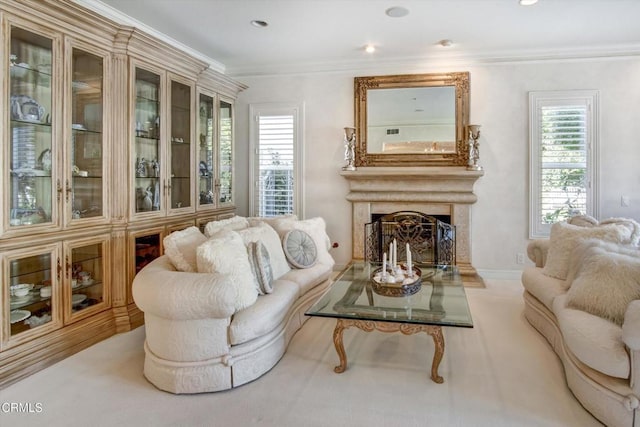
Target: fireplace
434	191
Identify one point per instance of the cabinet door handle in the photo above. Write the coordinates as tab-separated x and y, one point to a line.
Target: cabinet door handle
59	188
67	265
68	191
59	268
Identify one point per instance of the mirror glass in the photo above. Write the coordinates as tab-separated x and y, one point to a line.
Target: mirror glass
412	120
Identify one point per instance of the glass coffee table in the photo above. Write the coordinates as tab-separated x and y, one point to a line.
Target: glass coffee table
355	301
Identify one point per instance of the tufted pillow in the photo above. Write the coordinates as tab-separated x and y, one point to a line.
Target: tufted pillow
565	237
234	223
260	267
605	283
180	247
300	249
268	236
225	253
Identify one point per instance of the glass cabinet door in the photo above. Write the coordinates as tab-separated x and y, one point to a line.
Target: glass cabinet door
148	189
180	145
31	153
206	167
87	185
86	265
32	280
147	248
225	141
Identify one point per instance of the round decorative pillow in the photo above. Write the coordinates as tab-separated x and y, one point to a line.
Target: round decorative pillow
300	249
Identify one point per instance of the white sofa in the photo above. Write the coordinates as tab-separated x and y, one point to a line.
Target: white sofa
197	340
601	356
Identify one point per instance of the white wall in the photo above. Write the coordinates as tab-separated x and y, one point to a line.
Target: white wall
499	102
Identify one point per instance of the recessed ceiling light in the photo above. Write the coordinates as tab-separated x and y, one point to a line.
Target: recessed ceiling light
397	12
445	43
528	2
370	48
259	23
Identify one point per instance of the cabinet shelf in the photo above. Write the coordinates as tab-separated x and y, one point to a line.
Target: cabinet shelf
22	123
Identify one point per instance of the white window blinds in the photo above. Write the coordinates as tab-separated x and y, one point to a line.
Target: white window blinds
562	167
275	165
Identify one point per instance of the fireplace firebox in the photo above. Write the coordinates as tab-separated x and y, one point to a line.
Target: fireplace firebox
431	239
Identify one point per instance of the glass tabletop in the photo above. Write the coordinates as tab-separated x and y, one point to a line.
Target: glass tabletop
440	299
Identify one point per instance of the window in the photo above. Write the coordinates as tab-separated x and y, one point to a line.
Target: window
277	159
563	141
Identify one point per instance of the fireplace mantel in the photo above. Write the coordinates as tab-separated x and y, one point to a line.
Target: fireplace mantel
431	190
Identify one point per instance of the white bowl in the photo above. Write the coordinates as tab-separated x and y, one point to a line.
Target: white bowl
45	292
20	290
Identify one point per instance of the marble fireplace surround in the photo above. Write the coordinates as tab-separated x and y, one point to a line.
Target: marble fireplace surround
435	190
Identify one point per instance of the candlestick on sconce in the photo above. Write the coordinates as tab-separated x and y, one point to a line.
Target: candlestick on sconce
474	148
349	148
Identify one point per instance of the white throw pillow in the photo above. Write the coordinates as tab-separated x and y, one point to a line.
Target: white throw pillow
577	255
605	283
225	253
268	236
632	225
233	223
300	249
565	237
180	247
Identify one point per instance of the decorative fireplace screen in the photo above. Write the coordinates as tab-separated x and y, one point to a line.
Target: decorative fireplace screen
432	241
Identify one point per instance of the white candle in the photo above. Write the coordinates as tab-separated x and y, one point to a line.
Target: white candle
395	253
384	265
409	265
391	255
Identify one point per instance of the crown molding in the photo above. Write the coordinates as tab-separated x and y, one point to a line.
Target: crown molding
115	15
438	60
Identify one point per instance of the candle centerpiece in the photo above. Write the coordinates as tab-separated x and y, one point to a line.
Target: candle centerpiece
396	279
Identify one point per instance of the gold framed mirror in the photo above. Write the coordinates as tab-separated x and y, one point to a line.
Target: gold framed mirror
412	119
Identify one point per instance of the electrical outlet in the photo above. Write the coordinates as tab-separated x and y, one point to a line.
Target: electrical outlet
520	258
624	201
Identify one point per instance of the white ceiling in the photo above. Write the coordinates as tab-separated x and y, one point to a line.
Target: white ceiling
324	35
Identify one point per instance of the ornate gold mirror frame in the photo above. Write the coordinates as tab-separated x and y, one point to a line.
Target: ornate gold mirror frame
457	157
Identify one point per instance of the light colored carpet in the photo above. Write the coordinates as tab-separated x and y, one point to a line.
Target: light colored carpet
500	373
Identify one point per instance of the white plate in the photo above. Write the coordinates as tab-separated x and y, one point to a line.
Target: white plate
77	298
78	126
19	315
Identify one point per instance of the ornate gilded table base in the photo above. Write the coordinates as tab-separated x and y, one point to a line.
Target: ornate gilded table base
406	328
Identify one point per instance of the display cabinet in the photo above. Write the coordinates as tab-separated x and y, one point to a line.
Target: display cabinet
56	169
148	153
182	171
32	161
225	152
31	291
50	286
86	276
207	166
164	168
87	176
145	245
106	149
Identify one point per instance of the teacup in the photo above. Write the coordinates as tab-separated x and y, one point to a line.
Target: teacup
84	277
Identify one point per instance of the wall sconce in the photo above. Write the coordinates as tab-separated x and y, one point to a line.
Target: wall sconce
474	148
349	148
